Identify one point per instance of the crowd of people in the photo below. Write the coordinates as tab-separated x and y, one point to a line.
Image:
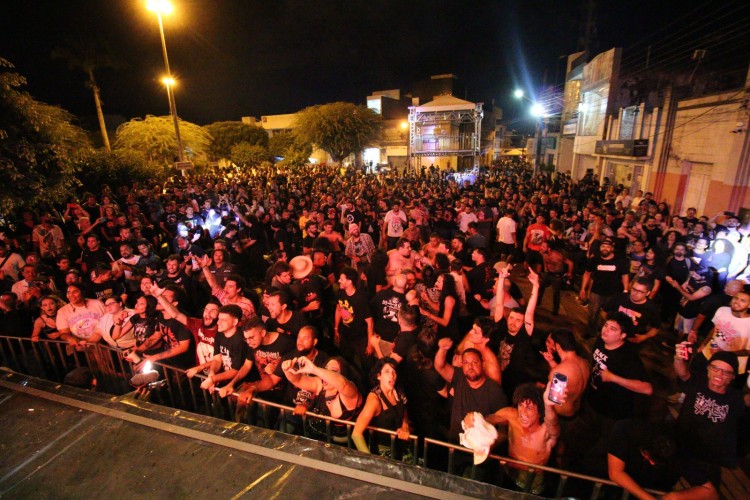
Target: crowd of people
408	301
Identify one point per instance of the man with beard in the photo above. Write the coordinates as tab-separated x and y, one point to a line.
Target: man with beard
204	329
221	267
693	291
280	319
519	358
300	399
400	258
359	247
473	391
605	275
311	234
229	350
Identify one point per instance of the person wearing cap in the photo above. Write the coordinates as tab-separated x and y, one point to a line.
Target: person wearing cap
707	426
605	276
359	247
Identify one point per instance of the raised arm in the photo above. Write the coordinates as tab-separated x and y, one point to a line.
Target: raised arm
500	294
170	311
528	319
205	262
444	368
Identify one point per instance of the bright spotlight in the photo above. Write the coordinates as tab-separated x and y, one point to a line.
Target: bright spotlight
518	93
537	110
160	6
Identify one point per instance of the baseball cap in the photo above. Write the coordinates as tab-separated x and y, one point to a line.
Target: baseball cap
729	358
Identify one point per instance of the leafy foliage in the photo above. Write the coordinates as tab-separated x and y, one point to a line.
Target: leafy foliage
339	128
116	168
227	134
286	146
38	143
248	154
154	136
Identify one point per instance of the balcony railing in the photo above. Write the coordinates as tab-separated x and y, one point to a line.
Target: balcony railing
52	360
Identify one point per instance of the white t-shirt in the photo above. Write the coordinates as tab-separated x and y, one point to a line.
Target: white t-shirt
12	266
732	334
506	226
395	222
82	321
106	323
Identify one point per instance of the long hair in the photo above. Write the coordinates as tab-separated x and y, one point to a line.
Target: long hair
449	287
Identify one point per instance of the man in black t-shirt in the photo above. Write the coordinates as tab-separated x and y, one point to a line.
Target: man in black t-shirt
385	306
641	310
266	350
300	399
707	427
472	390
353	323
618	375
281	319
605	276
229	350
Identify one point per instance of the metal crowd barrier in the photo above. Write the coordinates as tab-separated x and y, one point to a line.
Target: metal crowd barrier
53	359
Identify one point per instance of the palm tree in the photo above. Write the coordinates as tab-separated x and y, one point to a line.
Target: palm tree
89	56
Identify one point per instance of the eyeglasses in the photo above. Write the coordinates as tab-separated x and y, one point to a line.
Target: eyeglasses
110	303
716	369
637	290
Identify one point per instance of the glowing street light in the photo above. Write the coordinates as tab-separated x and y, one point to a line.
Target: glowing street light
538	110
164	7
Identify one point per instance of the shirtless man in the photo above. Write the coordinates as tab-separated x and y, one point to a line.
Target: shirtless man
430	249
532	431
400	258
555	266
561	344
336	239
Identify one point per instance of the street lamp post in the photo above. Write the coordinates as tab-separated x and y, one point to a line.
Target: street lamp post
161	7
538	111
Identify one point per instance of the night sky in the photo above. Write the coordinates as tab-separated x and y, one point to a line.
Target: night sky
250	58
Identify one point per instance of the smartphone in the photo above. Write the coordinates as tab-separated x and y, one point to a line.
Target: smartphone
683	350
557	389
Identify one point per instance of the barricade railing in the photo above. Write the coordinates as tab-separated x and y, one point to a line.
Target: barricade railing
53	359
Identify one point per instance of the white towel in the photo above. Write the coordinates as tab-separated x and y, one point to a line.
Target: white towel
479	437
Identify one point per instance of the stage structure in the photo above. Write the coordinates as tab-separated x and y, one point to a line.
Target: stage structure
445	132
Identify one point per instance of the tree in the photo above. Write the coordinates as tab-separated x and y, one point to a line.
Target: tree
227	134
286	146
339	128
154	136
248	154
88	56
38	145
116	168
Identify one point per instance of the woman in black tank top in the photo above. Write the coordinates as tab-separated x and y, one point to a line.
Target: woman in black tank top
45	326
385	408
